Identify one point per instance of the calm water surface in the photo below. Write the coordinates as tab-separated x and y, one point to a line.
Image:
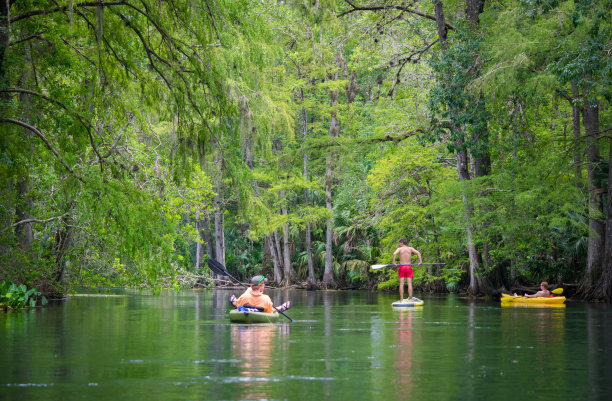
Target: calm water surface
342	346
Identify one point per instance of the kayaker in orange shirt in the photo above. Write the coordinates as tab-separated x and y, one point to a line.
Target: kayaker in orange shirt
254	296
544	293
405	268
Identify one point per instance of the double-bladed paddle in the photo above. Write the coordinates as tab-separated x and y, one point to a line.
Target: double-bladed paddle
382	266
219	269
556	291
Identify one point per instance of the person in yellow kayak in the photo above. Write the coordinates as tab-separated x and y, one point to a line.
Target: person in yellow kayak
404	270
543	293
254	297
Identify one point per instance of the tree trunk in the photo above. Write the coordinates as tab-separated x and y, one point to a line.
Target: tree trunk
219	210
473	9
476	280
481	154
208	239
5	34
204	243
590	116
278	276
328	274
63	241
464	175
199	254
289	272
603	288
516	113
286	255
441	24
334	129
219	231
311	274
199	247
25	203
279	255
577	138
480	139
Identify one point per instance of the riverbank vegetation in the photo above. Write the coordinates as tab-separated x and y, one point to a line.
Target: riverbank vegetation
14	296
302	138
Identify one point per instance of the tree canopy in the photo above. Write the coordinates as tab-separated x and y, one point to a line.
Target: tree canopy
301	139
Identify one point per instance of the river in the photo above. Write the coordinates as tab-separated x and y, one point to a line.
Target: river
343	345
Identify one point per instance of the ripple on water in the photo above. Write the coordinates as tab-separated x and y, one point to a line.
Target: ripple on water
99	295
271	379
27	385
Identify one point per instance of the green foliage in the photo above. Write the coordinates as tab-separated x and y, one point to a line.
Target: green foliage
456	111
452	278
125	101
13	296
146	117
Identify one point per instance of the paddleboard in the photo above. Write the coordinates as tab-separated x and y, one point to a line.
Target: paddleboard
408	303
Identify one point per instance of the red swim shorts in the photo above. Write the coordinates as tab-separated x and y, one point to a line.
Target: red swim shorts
404	271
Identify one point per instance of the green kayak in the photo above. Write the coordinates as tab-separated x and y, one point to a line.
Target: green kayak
253	317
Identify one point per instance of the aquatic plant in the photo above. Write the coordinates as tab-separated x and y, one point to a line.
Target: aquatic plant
13	296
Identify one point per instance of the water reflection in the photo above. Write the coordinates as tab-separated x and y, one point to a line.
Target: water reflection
342	345
405	366
255	347
546	323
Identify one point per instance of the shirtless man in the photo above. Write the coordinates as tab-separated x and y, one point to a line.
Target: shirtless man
405	268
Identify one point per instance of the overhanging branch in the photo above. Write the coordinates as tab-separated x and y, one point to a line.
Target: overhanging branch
64	8
391	7
35	131
336	141
89	127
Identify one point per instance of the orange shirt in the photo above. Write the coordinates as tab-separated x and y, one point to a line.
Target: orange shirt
262	300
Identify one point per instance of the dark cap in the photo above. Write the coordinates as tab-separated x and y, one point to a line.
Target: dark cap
258	280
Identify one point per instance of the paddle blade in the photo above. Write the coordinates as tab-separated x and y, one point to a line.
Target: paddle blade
558	291
217	267
379	266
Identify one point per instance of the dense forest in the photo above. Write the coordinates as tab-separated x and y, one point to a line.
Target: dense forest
301	139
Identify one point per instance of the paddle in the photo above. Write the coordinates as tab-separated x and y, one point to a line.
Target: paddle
557	291
382	266
219	269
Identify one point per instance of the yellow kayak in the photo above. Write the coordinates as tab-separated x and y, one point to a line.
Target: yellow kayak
525	305
537	300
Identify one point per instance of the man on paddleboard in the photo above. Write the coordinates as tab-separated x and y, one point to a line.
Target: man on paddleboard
405	267
254	297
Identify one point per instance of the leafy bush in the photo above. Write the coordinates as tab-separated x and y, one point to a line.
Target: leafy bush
452	277
389	284
14	296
